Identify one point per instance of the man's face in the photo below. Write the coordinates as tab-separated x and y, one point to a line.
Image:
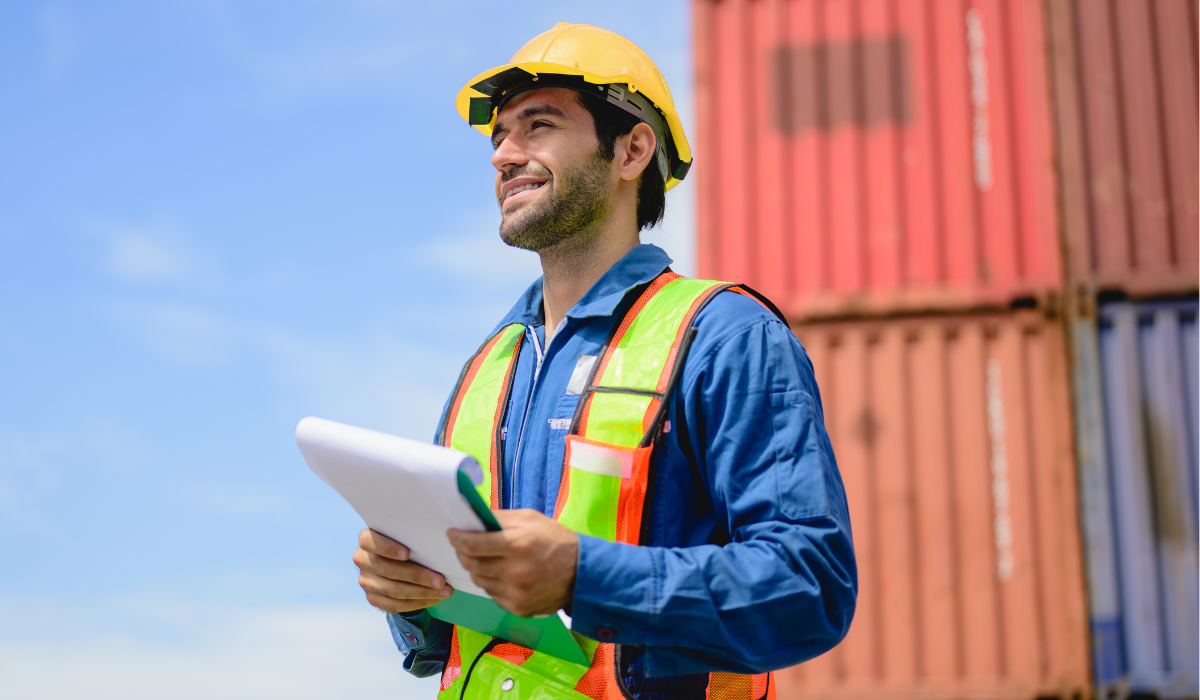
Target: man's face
551	182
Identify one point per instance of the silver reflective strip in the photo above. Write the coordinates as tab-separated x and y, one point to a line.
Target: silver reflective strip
583	368
598	460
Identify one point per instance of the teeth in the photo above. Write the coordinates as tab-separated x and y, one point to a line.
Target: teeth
522	188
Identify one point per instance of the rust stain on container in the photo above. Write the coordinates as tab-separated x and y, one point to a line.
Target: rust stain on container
886	76
954	440
857	156
1125	92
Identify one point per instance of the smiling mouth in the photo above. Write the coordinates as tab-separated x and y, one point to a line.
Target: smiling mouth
523	188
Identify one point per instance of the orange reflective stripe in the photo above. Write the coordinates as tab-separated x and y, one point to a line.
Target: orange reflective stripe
468	377
632	501
632	496
453	663
679	335
600	681
473	422
497	454
626	321
512	653
739	686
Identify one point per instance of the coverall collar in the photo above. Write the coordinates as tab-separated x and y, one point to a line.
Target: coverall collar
638	266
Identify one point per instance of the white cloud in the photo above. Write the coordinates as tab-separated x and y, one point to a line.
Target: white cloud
186	649
159	251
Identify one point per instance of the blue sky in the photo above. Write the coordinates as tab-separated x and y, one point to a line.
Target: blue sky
217	217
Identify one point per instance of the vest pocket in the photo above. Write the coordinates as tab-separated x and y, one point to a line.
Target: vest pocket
604	489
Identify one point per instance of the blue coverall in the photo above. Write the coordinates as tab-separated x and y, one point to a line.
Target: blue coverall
750	564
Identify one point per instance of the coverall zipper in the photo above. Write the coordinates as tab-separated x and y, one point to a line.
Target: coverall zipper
537	370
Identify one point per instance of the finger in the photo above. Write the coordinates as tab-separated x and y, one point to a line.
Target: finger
393	605
495	587
382	545
398	570
516	518
492	567
479	544
400	590
516	607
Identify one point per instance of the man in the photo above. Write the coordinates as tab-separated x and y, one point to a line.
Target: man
655	445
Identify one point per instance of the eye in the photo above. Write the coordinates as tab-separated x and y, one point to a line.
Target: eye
539	123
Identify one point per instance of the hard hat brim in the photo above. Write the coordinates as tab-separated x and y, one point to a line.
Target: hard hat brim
485	84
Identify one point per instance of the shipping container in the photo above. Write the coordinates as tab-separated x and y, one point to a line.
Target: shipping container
1124	86
953	437
1136	395
865	156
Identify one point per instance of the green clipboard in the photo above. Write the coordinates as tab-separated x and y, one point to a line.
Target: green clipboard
545	634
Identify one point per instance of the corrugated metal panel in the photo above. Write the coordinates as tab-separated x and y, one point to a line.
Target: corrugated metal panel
875	155
953	438
1141	509
1095	488
1125	92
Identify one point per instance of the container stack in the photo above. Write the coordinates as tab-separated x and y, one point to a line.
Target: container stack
1124	84
930	190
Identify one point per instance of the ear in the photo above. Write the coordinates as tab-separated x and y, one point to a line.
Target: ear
635	151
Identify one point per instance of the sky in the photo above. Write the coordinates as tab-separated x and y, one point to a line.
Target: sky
218	217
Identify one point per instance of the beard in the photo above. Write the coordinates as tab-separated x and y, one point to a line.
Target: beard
572	205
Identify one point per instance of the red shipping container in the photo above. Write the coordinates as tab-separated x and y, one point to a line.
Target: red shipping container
865	156
1124	78
954	439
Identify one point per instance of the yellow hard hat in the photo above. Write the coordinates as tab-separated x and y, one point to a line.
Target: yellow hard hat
591	60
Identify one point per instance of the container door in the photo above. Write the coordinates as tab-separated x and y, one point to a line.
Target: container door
1148	372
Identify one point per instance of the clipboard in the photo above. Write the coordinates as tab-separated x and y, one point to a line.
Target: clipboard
546	634
373	471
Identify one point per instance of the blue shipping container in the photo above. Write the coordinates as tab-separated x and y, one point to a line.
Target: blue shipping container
1136	388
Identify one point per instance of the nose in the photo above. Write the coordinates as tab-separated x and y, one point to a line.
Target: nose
509	155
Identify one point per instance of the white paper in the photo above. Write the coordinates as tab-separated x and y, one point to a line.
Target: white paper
405	489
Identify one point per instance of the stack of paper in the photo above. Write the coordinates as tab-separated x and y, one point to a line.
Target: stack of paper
413	492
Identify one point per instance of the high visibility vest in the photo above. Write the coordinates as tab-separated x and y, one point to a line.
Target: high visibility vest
606	469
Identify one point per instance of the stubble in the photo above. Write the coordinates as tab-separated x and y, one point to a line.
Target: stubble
576	201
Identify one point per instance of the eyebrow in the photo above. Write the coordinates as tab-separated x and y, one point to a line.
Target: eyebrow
531	111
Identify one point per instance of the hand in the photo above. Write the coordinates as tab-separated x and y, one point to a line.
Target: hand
392	583
528	567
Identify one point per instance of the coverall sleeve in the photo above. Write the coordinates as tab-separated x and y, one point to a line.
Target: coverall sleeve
777	583
423	639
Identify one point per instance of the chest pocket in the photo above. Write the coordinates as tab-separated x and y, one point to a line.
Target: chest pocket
560	425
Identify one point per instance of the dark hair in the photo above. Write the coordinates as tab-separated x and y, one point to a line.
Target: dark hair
612	122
